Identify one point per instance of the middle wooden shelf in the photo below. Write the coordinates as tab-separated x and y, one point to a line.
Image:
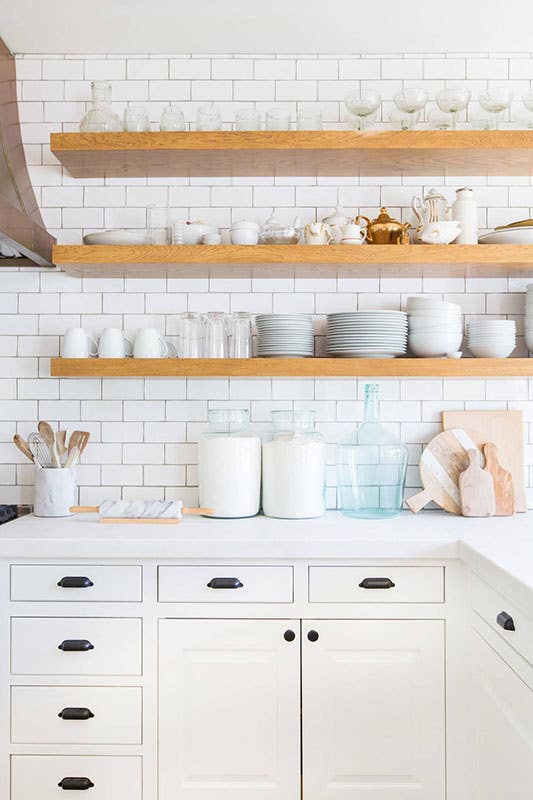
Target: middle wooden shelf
151	261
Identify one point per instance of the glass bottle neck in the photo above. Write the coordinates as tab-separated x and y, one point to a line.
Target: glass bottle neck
371	404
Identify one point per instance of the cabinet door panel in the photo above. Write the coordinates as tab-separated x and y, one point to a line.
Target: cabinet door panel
504	729
229	710
373	710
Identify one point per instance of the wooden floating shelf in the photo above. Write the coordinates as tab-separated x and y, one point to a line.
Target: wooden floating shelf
290	367
300	260
294	153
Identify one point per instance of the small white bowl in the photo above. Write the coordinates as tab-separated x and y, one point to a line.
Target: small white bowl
490	351
435	345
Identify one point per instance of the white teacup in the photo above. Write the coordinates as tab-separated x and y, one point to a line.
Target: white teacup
149	343
113	344
444	232
78	344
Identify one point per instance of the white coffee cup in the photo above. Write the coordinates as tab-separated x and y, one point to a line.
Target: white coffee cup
113	344
353	234
149	343
78	344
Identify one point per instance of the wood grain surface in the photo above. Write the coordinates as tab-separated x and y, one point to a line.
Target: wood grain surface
503	482
476	489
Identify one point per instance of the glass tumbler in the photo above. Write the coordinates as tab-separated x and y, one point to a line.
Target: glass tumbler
158	225
191	335
216	335
172	119
136	119
277	119
249	119
309	120
208	118
240	336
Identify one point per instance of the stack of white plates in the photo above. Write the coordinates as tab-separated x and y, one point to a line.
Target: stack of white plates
367	334
529	316
492	338
285	335
435	327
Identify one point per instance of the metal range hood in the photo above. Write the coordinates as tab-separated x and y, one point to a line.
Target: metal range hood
23	238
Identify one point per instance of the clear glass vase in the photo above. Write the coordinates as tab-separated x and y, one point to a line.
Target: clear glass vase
100	116
371	467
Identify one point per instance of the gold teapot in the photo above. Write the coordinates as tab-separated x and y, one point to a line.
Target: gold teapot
384	229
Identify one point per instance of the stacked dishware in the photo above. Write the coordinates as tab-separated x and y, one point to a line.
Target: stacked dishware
435	327
529	316
367	334
492	338
285	335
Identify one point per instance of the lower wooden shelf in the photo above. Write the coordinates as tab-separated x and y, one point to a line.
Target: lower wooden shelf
290	367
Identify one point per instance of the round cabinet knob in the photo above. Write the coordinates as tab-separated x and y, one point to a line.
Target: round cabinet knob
289	636
312	636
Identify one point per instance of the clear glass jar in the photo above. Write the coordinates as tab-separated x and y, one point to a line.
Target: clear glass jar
371	467
100	116
294	467
229	464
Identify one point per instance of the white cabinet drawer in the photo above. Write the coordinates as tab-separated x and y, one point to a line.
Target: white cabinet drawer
235	584
111	646
113	777
492	606
73	582
76	714
373	584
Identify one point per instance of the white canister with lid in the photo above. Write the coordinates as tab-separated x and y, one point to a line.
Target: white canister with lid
464	211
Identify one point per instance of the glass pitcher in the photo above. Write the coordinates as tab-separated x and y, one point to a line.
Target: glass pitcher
371	467
100	116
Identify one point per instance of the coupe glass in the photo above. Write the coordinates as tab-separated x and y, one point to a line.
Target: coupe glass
495	101
527	100
362	105
411	102
452	101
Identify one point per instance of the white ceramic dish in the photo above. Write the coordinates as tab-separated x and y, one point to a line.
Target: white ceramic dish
508	236
117	237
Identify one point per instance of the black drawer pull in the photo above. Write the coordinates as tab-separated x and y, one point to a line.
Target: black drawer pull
76	713
225	583
376	583
75	582
76	783
75	645
505	621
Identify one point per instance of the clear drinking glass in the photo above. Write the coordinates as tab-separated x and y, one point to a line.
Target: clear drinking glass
136	119
452	101
309	120
363	105
100	117
411	102
495	101
158	231
216	335
240	335
172	119
277	119
249	119
208	118
191	335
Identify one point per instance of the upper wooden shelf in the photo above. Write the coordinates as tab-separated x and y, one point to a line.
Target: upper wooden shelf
300	260
290	367
288	153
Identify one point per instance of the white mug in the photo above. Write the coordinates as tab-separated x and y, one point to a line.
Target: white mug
353	234
149	343
113	344
78	344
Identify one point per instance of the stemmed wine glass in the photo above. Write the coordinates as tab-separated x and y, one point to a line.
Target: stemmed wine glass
495	101
527	100
411	102
451	101
362	105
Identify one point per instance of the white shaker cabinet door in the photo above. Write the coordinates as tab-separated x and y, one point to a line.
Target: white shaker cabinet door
373	710
229	709
503	719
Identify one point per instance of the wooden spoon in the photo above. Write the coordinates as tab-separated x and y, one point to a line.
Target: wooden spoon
49	437
23	447
61	443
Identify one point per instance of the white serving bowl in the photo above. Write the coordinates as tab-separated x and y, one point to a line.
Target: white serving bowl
435	345
490	351
426	303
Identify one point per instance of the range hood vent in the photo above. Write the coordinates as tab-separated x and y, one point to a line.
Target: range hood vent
23	237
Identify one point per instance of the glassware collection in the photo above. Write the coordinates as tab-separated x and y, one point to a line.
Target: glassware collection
362	107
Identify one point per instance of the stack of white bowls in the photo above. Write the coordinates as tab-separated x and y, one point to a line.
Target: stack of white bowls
435	327
529	316
285	335
492	338
367	334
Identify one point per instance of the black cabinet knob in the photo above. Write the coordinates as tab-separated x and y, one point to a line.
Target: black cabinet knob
376	583
289	636
312	636
75	582
75	645
76	713
75	783
505	621
225	583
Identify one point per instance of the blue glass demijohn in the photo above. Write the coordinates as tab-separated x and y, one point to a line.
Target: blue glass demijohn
371	467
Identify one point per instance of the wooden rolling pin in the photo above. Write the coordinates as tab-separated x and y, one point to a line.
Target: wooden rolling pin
162	512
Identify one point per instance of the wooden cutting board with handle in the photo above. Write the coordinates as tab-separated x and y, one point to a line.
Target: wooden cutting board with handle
476	489
441	463
503	482
506	430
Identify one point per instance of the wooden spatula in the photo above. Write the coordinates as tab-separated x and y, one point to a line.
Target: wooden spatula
503	482
476	489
